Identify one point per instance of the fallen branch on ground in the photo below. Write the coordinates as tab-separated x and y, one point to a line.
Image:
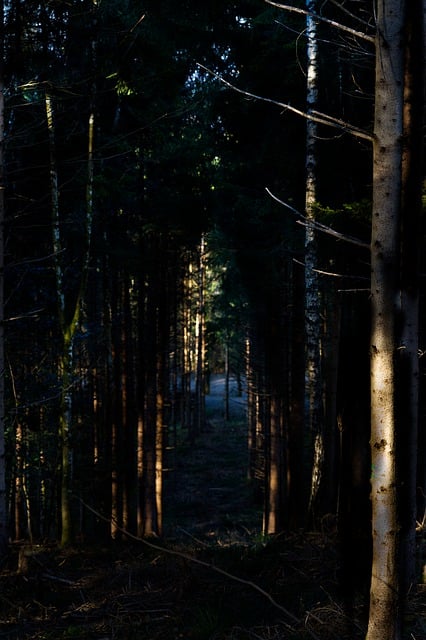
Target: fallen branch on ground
207	565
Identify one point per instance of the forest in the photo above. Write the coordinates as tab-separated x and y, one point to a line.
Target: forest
212	415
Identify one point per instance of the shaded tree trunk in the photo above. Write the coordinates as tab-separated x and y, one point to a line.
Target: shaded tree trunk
408	351
69	314
298	483
3	497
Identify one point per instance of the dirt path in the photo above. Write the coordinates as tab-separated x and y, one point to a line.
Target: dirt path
207	492
215	400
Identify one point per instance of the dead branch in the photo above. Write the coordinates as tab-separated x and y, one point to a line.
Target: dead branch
332	274
49	576
349	13
333	23
316	116
207	565
318	226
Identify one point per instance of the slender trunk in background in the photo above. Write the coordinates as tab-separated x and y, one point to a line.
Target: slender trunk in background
149	498
3	498
331	373
186	409
159	440
227	380
152	424
313	400
273	516
298	488
69	318
165	301
408	351
200	345
141	395
384	616
67	331
252	403
116	403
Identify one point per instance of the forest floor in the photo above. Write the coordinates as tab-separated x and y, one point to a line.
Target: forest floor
213	576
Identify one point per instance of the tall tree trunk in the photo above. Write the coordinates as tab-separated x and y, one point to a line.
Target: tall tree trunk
274	468
226	413
200	413
3	497
384	620
408	379
313	400
152	437
298	486
69	315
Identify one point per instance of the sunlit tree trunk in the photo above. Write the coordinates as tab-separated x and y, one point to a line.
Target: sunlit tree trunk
274	466
187	323
149	497
384	616
159	441
154	353
22	510
200	414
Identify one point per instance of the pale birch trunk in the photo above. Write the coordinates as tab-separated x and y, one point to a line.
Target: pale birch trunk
313	395
384	616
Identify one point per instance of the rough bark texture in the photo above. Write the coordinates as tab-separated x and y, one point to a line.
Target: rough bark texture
384	615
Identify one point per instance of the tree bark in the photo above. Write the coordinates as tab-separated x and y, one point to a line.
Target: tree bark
384	618
313	400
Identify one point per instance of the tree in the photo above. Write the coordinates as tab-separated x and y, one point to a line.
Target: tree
384	616
3	493
313	402
408	336
69	313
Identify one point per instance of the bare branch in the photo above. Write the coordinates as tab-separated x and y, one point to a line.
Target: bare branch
349	13
333	23
318	225
316	116
137	23
29	314
342	276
